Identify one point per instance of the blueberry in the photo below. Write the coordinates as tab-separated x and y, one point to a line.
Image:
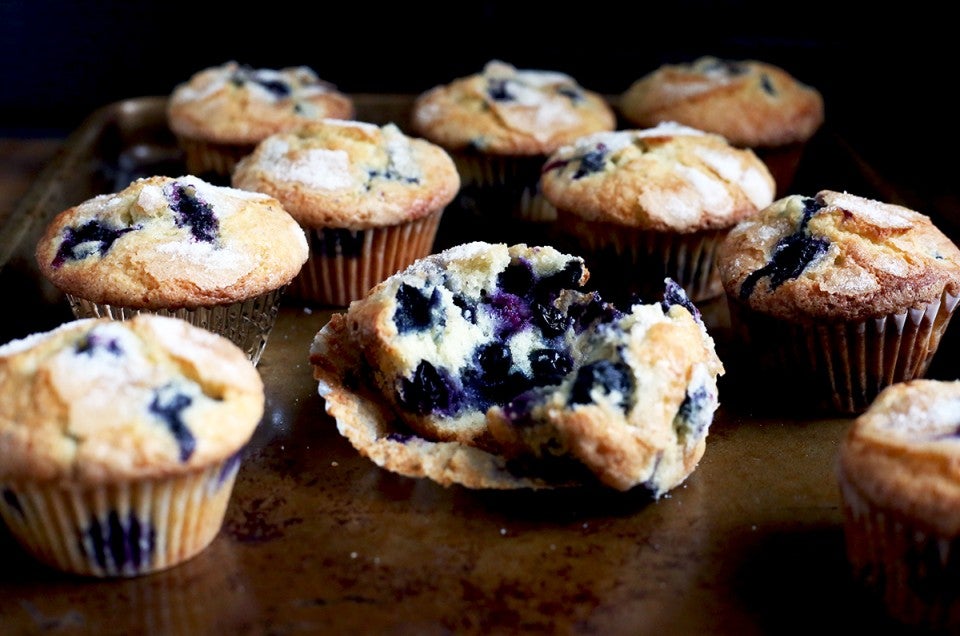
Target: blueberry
593	161
168	404
549	287
467	308
91	237
552	321
549	366
93	342
731	67
593	311
512	313
390	174
333	242
791	255
674	294
415	311
403	438
516	279
275	86
430	390
607	375
193	211
10	498
492	380
693	416
498	91
119	542
494	360
571	92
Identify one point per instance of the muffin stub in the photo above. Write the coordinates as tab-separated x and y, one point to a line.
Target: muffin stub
508	111
165	242
496	352
749	102
236	104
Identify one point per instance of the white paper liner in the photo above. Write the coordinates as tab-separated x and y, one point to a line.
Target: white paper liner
122	529
338	279
849	363
247	323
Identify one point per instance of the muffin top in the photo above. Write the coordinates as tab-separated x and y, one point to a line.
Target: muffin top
236	104
751	103
506	111
486	365
903	453
350	174
165	242
100	400
667	178
838	256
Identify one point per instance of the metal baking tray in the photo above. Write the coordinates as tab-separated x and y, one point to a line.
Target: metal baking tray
317	539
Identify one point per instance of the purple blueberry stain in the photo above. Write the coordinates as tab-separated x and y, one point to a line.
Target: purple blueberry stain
512	313
169	405
607	375
791	255
119	542
332	242
93	237
416	310
12	501
192	211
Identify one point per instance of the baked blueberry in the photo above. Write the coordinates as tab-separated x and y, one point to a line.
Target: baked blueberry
791	255
93	237
572	93
593	161
606	375
168	405
93	342
551	320
549	366
674	294
192	211
415	310
694	415
430	390
512	313
516	278
498	91
767	85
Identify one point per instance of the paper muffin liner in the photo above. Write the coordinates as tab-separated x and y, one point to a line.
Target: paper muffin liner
121	529
212	161
246	323
845	364
636	261
911	571
344	264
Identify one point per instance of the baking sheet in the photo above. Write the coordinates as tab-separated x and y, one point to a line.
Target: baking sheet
318	539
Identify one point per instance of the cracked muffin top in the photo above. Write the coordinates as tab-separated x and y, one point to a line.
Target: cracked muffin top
751	103
237	104
838	256
166	242
511	112
350	174
99	400
666	178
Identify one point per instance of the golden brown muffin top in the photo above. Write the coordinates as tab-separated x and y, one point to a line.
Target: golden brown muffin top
751	103
666	178
165	242
103	400
350	174
838	256
903	453
237	104
511	112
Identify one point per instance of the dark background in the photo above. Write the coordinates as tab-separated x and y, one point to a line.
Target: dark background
886	75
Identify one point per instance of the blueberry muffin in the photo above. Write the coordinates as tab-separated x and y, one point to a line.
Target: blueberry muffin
370	197
752	104
215	256
900	493
499	125
653	203
489	366
222	112
839	295
120	441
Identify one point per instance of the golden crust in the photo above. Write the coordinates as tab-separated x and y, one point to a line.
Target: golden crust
751	103
349	174
510	112
876	259
666	178
902	454
75	402
233	104
156	260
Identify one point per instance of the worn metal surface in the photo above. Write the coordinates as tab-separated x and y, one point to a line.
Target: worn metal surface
319	540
